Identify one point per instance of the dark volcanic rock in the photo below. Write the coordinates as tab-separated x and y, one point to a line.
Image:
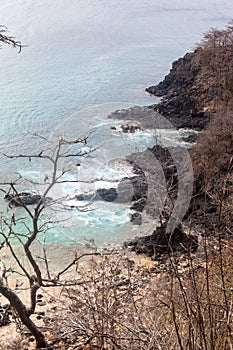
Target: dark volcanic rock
184	101
139	205
161	242
140	188
136	219
164	156
130	189
107	194
130	127
182	73
22	198
190	139
80	197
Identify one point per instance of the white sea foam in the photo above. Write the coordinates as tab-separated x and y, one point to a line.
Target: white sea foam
68	79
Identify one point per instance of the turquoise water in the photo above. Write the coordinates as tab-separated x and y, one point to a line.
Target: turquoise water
83	60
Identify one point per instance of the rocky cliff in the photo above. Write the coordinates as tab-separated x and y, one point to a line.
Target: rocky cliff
187	101
198	94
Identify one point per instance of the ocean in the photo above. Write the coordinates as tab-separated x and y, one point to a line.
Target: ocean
84	59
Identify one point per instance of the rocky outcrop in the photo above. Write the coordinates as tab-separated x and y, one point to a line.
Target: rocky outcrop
107	194
131	190
142	196
130	127
140	188
136	219
194	92
185	100
161	242
190	139
22	199
25	198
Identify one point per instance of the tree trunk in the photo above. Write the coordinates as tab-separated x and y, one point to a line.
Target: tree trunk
21	310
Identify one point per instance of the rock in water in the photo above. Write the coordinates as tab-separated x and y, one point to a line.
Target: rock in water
107	194
23	198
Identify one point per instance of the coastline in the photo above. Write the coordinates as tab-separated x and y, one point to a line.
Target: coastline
184	103
193	115
147	117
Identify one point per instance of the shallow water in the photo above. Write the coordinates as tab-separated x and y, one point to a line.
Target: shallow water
85	59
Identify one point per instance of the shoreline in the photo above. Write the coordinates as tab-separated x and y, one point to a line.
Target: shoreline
148	117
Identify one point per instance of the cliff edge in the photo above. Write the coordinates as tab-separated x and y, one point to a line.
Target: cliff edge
187	101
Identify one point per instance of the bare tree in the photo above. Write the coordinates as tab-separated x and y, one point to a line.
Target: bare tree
60	155
10	40
215	51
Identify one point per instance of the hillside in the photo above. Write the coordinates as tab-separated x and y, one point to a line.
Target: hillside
181	298
198	94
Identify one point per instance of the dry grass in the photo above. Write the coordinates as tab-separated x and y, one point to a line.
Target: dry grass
118	302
